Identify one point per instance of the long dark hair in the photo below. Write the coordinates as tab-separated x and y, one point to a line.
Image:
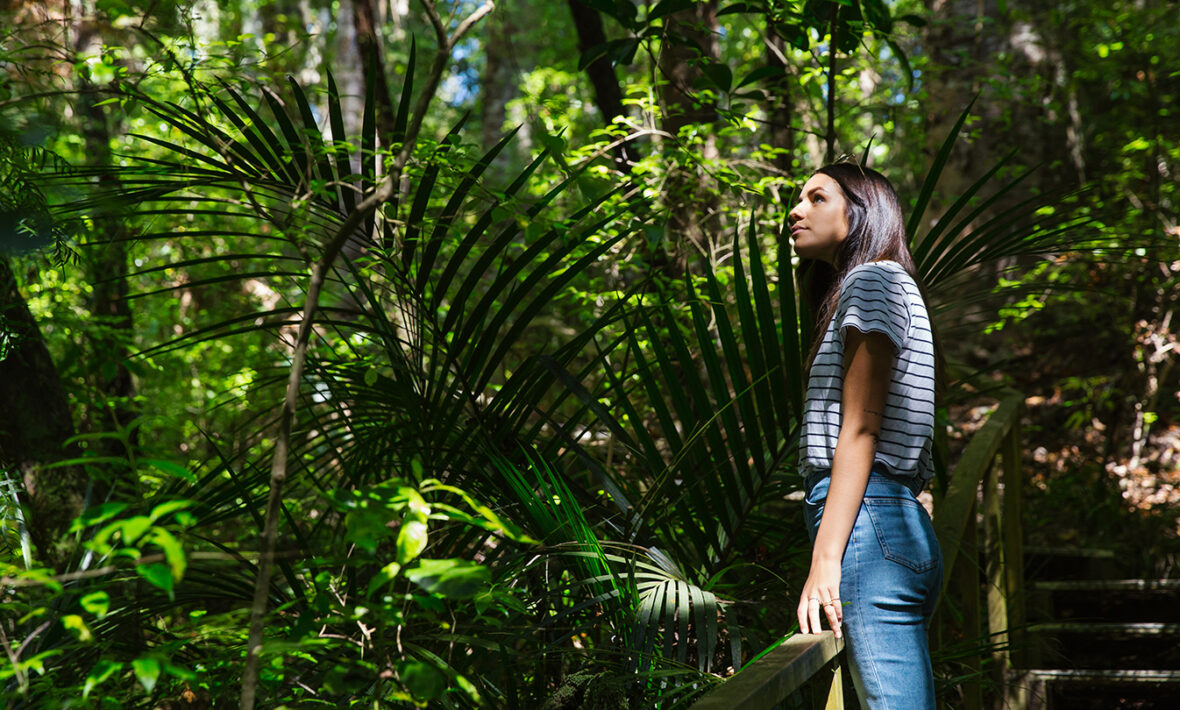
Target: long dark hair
876	232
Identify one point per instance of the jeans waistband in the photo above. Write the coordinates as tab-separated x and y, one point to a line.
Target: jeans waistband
913	483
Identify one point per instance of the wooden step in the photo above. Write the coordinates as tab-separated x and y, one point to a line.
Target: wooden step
1104	645
1061	563
1105	600
1106	676
1050	551
1108	585
1058	689
1130	629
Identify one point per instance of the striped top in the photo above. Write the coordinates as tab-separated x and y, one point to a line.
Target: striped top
877	297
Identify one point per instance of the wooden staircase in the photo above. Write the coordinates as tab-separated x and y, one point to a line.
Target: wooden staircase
1096	639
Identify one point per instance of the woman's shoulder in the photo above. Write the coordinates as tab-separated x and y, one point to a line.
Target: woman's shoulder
885	271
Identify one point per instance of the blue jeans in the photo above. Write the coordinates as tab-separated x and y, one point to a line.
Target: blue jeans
889	582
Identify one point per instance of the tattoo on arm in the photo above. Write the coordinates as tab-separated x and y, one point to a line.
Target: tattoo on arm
879	414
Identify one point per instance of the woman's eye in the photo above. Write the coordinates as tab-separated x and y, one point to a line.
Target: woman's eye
817	199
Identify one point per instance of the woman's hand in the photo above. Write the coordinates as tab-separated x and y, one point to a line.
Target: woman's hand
821	592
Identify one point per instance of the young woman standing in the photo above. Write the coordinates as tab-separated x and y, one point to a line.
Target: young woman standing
867	432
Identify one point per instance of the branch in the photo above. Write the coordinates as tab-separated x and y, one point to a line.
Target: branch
278	471
830	154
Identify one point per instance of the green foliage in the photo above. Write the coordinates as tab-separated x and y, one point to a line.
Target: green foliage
529	459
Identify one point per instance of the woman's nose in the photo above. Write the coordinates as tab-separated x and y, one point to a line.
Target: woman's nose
795	214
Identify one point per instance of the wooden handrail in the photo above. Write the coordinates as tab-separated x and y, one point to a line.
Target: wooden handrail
955	524
954	509
769	680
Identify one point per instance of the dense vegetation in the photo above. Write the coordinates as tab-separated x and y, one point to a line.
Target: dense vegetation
442	354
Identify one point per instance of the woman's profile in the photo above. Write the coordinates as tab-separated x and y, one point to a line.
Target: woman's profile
865	446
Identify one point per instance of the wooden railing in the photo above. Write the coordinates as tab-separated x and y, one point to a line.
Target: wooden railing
768	681
799	661
955	523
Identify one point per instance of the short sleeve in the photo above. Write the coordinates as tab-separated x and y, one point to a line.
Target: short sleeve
873	300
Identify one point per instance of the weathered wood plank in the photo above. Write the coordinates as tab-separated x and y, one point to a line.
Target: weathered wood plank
767	681
836	692
1013	543
952	510
994	527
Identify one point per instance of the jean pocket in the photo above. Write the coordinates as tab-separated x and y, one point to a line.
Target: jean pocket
904	530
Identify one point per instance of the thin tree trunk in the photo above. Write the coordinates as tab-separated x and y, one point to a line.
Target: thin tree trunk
106	266
778	107
368	39
833	54
691	192
498	85
608	96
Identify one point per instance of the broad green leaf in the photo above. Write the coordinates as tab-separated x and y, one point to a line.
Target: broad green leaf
173	551
411	541
171	506
157	574
667	7
366	527
99	673
178	671
77	626
172	468
383	577
424	681
720	75
97	603
453	578
134	528
418	504
147	671
97	514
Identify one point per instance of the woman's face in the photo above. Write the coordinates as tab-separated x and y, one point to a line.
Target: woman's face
820	221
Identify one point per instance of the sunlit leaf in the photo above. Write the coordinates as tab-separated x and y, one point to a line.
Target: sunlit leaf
77	626
158	575
147	671
101	671
411	540
97	603
450	578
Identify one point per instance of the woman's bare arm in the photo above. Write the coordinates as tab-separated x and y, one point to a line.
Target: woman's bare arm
868	368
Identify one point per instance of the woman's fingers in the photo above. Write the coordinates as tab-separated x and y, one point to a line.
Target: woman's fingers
834	614
818	602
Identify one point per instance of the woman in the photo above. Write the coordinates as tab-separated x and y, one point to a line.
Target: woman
867	432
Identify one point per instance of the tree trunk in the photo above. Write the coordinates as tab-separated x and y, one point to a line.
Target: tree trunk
778	109
692	195
106	266
368	39
961	53
35	423
608	97
498	84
